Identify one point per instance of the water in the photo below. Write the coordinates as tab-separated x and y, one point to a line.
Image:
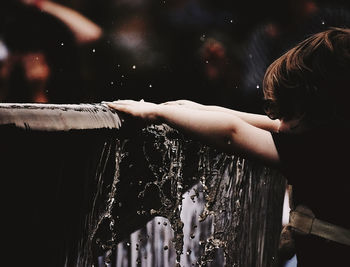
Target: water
211	209
101	196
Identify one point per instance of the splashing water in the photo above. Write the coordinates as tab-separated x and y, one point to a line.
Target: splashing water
131	197
211	209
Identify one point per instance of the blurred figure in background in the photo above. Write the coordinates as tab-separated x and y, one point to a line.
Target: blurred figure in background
24	77
42	63
221	71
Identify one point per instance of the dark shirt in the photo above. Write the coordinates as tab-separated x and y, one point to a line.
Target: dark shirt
316	164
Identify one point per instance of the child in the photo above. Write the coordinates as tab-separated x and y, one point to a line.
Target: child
305	135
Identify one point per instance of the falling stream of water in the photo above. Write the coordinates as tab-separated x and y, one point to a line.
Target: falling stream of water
212	209
110	196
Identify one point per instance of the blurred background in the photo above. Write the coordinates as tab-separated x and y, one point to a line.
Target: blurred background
213	52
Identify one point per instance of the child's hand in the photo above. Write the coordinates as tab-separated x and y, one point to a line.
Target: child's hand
185	103
144	110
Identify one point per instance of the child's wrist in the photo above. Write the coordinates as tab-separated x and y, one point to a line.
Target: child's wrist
157	112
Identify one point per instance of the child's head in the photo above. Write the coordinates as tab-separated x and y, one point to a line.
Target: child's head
311	80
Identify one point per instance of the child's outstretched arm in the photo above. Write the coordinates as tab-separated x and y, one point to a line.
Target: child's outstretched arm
225	131
257	120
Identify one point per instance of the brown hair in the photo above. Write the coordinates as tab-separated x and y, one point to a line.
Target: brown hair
311	79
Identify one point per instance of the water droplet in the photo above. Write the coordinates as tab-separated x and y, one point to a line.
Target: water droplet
231	21
134	67
62	44
93	50
206	61
153	211
150	85
322	22
257	86
112	83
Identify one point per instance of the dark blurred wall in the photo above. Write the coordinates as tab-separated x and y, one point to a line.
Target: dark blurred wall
210	52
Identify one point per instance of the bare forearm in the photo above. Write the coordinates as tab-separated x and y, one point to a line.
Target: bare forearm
210	126
225	131
257	120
